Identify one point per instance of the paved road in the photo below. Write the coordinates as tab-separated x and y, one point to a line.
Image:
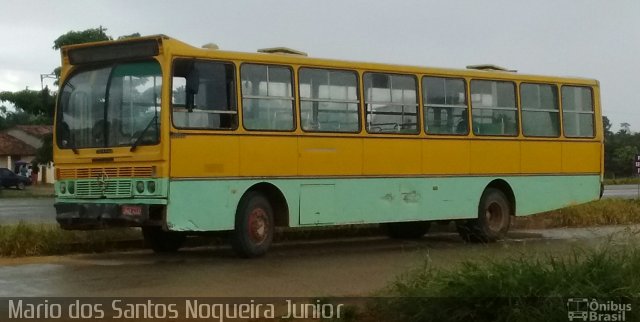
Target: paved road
322	268
40	210
627	191
33	210
347	267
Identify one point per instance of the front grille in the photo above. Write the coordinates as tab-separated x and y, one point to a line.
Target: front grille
110	188
111	172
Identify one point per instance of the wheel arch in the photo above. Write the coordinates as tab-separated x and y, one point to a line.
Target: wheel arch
505	187
277	200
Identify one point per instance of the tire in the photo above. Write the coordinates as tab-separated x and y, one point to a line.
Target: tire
162	241
494	219
407	230
254	226
20	185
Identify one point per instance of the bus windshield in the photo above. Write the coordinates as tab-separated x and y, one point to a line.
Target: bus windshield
111	106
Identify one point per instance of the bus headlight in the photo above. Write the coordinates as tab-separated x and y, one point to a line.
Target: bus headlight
63	188
140	187
71	187
151	186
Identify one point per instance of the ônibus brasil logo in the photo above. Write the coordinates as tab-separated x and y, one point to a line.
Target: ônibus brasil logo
584	309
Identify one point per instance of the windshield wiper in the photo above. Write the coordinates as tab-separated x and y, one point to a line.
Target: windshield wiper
63	128
135	143
73	148
71	145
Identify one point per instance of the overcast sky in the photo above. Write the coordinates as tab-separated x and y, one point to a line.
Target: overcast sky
594	39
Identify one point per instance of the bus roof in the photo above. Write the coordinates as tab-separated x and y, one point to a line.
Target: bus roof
171	46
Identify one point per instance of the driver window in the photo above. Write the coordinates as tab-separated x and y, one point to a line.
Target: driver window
212	104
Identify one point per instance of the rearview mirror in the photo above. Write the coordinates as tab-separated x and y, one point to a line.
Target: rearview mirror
191	89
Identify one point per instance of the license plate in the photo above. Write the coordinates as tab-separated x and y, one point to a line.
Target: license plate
132	210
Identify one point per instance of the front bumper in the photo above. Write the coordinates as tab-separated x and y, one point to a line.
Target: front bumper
85	216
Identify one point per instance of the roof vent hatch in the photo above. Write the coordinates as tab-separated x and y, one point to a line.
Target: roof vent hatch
282	51
490	67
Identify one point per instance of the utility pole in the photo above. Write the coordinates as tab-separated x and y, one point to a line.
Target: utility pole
43	76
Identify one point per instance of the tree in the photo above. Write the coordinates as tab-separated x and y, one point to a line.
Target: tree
623	160
619	149
31	107
38	107
11	119
37	103
607	126
44	154
81	37
42	103
133	35
84	36
625	128
78	37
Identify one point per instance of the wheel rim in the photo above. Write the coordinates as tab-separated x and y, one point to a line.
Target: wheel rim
258	226
495	215
20	185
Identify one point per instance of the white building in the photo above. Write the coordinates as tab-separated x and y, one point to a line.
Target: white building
20	144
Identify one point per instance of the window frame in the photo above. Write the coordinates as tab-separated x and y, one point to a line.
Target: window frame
235	92
516	108
417	104
466	98
112	65
358	101
559	110
293	96
593	112
59	108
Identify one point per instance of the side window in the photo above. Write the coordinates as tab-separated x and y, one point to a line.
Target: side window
577	111
540	112
445	105
204	95
392	105
493	108
267	97
329	100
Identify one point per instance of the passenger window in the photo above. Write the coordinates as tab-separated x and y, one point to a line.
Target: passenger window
392	105
493	108
203	95
577	111
445	105
540	112
267	98
329	100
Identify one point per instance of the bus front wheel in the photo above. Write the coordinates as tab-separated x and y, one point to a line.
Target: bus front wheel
162	241
494	218
407	230
254	227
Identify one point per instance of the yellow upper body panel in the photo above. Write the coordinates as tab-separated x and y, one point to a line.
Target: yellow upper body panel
242	153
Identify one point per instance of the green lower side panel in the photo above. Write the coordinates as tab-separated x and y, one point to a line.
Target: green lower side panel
209	205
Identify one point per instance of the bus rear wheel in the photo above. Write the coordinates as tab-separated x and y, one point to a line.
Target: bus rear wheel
407	230
162	241
254	227
494	218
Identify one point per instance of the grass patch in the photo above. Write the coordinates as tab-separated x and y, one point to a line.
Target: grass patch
524	288
596	213
26	239
32	191
37	240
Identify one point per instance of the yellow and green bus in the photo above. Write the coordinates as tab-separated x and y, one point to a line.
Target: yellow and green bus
154	133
